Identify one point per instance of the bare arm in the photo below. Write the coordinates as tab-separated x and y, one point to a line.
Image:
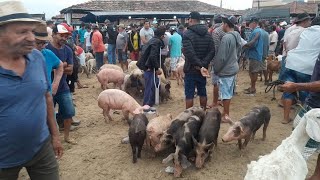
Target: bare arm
143	40
293	87
51	122
67	68
252	42
57	77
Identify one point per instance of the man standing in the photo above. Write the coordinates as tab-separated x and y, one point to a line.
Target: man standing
150	64
273	38
97	45
121	45
175	45
63	96
146	33
111	37
87	39
255	53
134	43
81	33
225	64
52	61
198	48
28	133
266	44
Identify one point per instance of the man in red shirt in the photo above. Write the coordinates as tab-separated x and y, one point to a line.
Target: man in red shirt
97	45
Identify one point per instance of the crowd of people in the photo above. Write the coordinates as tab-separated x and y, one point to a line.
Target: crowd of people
40	61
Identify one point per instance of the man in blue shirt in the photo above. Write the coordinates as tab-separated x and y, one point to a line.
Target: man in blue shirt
175	45
63	96
81	33
28	133
255	53
52	61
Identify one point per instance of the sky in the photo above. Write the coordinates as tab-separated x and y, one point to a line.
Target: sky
52	7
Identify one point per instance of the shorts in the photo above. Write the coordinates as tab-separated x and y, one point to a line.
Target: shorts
296	77
256	66
214	78
82	58
66	108
312	146
193	81
122	56
226	87
173	63
282	69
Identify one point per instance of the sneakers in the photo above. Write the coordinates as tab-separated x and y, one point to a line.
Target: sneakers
151	110
75	122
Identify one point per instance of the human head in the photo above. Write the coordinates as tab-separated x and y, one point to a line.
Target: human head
159	32
41	36
16	29
303	20
273	27
88	28
229	23
61	33
253	23
315	21
134	27
146	24
217	19
173	29
194	18
121	27
261	25
107	22
50	23
83	25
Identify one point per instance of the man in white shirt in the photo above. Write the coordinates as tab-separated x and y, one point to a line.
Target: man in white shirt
273	39
146	33
87	39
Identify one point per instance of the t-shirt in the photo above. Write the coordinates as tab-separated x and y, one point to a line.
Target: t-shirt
217	35
65	54
175	43
81	34
97	42
23	118
87	38
313	99
111	35
122	40
148	34
135	41
304	56
52	62
292	39
273	37
266	43
256	52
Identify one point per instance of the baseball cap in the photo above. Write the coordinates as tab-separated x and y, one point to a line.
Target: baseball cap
195	15
173	28
231	20
62	28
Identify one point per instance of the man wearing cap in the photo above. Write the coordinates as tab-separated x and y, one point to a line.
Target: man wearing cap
255	54
52	61
225	63
63	97
121	46
198	48
175	46
97	45
111	37
28	133
134	43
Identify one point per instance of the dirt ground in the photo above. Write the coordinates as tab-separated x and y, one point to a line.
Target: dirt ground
100	155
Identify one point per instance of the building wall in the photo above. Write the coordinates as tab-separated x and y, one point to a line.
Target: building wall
266	3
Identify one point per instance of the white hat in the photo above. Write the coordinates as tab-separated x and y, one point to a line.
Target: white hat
283	23
14	11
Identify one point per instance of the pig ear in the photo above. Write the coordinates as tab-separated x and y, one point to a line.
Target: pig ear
194	141
208	146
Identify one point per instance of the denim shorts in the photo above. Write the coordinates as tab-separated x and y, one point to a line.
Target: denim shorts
122	56
192	81
66	108
296	77
226	87
174	62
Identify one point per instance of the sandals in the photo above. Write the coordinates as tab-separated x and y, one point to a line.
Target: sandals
226	119
287	122
249	91
71	141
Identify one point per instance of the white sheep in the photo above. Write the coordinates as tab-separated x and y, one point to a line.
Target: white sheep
287	162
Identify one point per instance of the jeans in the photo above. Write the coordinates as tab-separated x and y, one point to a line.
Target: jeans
149	91
111	53
283	69
99	59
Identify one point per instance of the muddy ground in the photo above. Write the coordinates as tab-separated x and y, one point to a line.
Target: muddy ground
100	155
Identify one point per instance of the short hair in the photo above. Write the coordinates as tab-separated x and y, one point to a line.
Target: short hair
273	27
247	23
315	21
160	31
209	25
261	24
49	22
146	22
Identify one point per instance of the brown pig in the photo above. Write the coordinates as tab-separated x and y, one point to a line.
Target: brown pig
247	126
106	76
118	100
208	136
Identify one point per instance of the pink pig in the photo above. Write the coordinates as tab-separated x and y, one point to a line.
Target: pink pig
106	76
118	100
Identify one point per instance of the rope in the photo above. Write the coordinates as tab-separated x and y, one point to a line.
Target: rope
273	85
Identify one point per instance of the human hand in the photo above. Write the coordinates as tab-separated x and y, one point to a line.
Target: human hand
289	87
158	72
205	72
57	147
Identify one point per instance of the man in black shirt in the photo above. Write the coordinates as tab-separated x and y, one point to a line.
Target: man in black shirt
111	37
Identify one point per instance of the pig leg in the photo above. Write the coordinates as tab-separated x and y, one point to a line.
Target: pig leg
240	144
134	153
265	126
168	159
246	141
107	114
125	114
177	164
253	134
140	147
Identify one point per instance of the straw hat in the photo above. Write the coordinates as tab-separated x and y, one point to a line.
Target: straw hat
14	11
41	32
